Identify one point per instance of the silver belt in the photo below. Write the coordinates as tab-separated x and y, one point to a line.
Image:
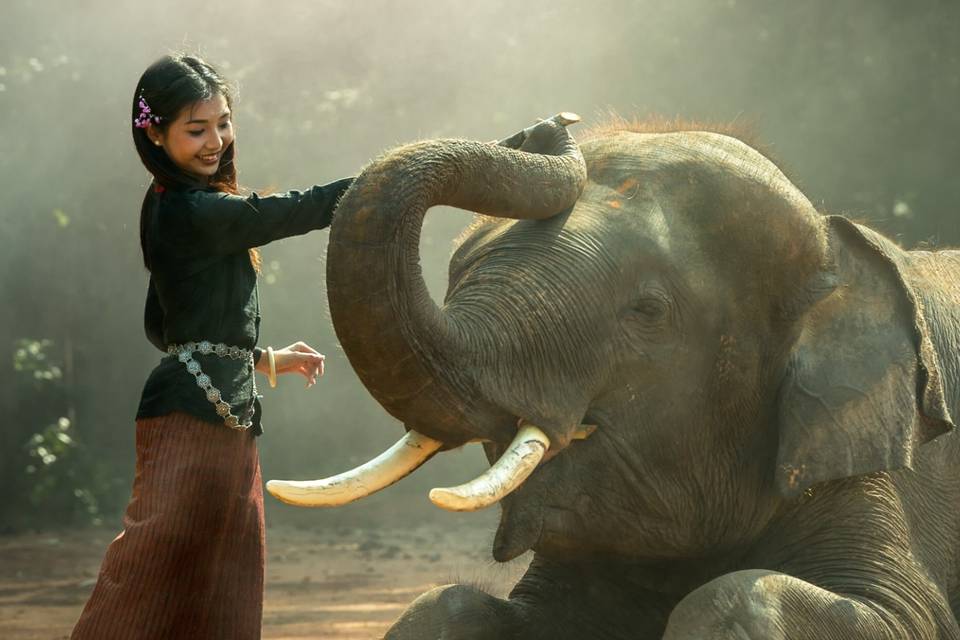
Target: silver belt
184	353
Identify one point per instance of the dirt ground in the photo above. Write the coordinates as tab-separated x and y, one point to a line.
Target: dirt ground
332	583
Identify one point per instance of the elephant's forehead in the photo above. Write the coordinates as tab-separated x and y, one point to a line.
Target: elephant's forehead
716	182
699	157
627	214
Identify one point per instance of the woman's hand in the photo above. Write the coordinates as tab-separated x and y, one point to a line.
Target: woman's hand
299	357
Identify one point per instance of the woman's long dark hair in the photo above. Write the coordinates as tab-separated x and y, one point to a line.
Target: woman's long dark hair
168	86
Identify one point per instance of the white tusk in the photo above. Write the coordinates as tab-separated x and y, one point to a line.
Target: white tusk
411	451
514	466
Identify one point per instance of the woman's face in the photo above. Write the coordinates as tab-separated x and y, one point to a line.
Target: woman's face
195	141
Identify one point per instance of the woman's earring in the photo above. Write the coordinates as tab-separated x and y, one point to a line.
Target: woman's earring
156	142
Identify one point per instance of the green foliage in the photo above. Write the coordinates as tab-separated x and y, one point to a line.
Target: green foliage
55	480
60	478
62	218
32	359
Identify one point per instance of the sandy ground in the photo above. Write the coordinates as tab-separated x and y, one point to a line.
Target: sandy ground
335	583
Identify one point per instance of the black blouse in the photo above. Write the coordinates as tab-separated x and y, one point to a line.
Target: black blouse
203	287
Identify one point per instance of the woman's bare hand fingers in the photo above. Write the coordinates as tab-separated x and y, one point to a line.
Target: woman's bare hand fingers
311	369
301	358
302	347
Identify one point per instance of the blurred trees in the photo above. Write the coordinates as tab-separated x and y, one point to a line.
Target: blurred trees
50	479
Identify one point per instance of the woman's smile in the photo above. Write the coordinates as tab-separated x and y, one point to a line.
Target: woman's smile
198	127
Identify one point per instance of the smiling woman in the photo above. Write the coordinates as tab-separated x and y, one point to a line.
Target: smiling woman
197	138
190	560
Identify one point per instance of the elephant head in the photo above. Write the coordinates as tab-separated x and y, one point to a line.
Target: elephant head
732	346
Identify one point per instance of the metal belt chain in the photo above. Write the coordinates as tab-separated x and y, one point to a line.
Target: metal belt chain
184	353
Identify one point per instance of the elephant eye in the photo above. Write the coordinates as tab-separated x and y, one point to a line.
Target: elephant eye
651	309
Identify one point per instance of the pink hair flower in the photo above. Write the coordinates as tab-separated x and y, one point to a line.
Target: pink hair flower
146	116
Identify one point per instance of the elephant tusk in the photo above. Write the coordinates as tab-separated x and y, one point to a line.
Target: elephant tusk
408	453
504	476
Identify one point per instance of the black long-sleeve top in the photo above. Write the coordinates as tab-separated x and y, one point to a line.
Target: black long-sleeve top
203	287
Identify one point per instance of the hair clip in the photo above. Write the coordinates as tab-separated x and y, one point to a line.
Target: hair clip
145	116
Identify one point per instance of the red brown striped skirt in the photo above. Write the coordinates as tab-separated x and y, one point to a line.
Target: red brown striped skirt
189	561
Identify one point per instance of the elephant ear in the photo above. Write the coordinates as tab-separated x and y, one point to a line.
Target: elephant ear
863	386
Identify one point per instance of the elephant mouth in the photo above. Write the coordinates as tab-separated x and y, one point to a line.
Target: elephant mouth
515	462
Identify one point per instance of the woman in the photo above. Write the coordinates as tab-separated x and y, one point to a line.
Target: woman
190	560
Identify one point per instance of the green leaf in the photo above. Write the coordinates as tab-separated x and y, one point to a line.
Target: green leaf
62	218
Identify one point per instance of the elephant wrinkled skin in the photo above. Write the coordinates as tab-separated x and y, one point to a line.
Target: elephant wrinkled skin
772	388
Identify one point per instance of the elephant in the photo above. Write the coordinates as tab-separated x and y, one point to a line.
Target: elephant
711	410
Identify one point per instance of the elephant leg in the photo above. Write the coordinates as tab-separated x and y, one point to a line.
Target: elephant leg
455	612
767	605
552	601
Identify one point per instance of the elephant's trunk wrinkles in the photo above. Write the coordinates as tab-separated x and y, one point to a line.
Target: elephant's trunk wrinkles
400	343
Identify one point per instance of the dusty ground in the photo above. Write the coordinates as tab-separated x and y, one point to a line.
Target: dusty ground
332	583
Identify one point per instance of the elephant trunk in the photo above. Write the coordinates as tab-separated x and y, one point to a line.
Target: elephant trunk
403	347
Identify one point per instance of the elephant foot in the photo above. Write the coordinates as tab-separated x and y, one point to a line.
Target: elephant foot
455	612
766	605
